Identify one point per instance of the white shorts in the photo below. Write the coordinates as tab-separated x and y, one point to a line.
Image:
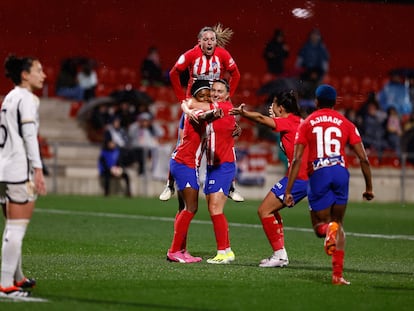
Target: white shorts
17	193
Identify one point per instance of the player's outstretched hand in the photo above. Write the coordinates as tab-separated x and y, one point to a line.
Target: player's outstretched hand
237	110
368	195
288	200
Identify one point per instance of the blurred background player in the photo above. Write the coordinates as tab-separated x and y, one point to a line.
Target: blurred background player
21	173
326	133
284	118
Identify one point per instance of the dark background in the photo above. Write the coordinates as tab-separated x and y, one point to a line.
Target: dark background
363	37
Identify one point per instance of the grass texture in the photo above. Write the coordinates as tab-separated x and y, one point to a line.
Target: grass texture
95	253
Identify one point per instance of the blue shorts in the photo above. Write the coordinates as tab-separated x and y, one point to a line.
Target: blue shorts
184	176
299	189
328	186
219	178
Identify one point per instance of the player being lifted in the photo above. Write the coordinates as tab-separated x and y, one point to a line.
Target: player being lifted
207	60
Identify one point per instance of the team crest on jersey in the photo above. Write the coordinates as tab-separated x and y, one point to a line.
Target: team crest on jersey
231	61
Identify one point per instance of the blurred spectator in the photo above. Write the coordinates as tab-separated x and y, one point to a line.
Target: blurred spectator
151	69
307	86
395	93
67	85
144	137
126	113
313	56
275	53
409	124
407	140
95	125
117	134
110	167
351	115
373	131
393	130
362	111
411	88
100	117
88	79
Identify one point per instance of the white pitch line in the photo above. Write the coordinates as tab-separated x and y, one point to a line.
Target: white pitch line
203	222
22	299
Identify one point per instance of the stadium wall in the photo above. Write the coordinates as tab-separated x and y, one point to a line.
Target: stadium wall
364	38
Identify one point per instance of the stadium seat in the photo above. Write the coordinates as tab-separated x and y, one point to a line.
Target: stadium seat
50	83
167	135
348	85
367	85
107	76
331	80
163	112
249	82
127	76
165	94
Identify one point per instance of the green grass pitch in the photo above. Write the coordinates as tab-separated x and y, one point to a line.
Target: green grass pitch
95	253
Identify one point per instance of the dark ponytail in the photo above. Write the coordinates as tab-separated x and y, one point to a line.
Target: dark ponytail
14	66
287	100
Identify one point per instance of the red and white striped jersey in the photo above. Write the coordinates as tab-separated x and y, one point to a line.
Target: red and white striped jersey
190	150
202	67
220	140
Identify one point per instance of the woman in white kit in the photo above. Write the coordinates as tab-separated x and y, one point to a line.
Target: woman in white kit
21	175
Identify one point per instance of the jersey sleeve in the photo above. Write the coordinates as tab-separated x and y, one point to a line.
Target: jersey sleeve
301	133
28	124
281	124
354	136
180	66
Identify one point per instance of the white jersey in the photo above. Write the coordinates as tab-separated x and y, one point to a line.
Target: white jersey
19	147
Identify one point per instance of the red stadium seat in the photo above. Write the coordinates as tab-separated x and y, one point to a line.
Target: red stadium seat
331	80
249	82
127	76
107	76
368	85
348	85
163	112
165	94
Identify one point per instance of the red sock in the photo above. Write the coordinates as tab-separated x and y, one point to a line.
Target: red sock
274	232
338	263
280	227
221	231
181	225
321	229
184	244
227	234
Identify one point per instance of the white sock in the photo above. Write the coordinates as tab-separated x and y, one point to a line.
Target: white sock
18	274
12	249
